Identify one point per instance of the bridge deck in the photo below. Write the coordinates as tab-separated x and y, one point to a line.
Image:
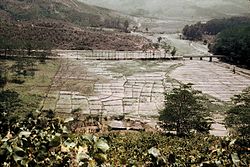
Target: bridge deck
124	55
116	55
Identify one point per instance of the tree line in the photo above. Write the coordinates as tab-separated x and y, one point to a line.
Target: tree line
234	43
230	37
9	47
212	27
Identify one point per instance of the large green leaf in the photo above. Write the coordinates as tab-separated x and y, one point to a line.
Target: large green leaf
100	157
70	119
90	138
65	130
19	154
25	162
235	159
102	145
82	154
70	144
55	141
25	134
232	142
155	152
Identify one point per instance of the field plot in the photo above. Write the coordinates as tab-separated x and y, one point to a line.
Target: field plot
134	88
111	88
216	81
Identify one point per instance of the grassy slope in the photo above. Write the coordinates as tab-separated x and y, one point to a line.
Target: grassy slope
63	36
61	23
34	88
69	11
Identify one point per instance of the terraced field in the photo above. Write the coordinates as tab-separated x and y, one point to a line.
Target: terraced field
131	88
216	81
135	88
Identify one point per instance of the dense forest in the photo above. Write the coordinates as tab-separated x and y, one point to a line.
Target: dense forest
235	44
230	37
212	27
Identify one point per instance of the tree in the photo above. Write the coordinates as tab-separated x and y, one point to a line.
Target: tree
3	80
166	47
173	52
3	75
184	110
156	45
159	39
126	25
24	67
6	45
193	32
238	117
10	102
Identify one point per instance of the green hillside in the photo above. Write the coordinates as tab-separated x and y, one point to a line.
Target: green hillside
64	24
71	11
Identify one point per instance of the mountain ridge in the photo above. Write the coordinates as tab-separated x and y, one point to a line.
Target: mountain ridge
190	9
71	11
64	24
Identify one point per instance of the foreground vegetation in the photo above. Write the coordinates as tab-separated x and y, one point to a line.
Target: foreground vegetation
30	138
41	140
153	149
238	116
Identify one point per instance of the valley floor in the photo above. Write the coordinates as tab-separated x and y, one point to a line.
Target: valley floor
135	88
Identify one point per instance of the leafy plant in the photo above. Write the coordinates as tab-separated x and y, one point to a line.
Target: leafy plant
173	52
41	141
238	117
155	149
3	79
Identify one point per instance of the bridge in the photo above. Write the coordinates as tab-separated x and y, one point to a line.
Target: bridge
107	55
126	55
191	57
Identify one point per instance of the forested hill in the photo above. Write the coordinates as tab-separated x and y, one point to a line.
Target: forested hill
229	37
213	27
70	11
235	44
64	24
